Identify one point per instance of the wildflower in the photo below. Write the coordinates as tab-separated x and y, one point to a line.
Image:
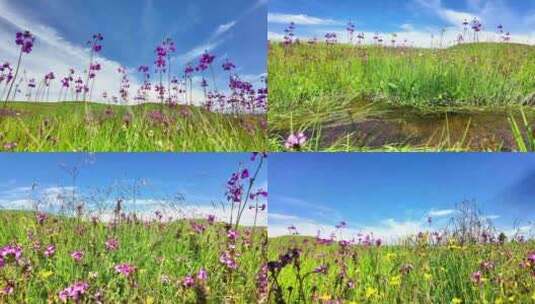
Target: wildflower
370	292
11	252
8	289
427	276
73	292
456	301
45	274
210	219
41	218
295	141
395	280
188	282
322	269
112	244
50	250
232	234
476	277
202	275
77	255
25	40
125	269
227	259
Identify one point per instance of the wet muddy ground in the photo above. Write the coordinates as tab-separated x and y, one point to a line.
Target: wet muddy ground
407	126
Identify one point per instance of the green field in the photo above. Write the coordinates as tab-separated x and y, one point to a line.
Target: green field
417	270
167	258
440	99
36	126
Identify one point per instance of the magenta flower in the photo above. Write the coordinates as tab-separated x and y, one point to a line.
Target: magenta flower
202	275
228	65
476	277
112	244
210	218
295	141
531	258
322	269
11	252
73	292
50	250
228	260
77	255
188	282
232	234
125	269
41	218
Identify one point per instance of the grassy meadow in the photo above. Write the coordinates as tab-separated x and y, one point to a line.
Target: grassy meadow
65	126
447	98
163	261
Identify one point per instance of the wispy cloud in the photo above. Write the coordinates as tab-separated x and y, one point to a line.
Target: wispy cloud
223	28
441	213
301	19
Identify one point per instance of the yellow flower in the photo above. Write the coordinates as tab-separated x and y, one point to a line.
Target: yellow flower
498	301
456	301
325	297
370	292
395	280
428	276
45	274
511	299
533	296
149	300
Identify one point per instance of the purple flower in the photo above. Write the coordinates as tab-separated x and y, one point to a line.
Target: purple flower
232	234
295	141
322	269
77	255
476	277
188	282
73	292
41	218
228	260
210	218
112	244
202	275
244	174
228	66
9	252
25	40
125	269
50	250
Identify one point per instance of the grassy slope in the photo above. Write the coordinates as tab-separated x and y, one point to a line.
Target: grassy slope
439	274
155	249
63	127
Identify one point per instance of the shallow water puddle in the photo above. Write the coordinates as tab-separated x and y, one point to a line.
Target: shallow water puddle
409	126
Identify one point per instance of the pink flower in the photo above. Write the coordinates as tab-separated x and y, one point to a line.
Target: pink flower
476	277
202	275
73	292
11	251
50	250
112	244
188	282
125	269
77	255
295	141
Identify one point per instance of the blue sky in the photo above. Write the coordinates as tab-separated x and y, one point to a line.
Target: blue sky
393	194
411	19
132	29
199	177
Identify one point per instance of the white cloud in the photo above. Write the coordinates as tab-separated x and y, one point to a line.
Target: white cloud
440	213
223	28
300	19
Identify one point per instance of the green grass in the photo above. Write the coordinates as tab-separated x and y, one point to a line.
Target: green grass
40	127
158	250
308	83
438	274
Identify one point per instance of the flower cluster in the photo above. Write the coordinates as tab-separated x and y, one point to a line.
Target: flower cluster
74	292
